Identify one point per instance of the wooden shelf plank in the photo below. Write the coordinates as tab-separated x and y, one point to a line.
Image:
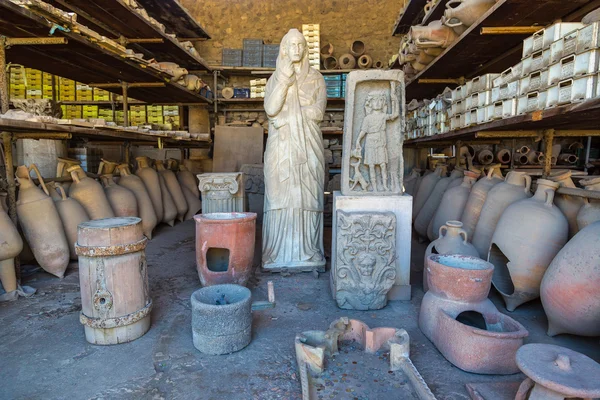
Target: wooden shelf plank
261	100
248	71
84	61
175	17
409	16
579	116
471	54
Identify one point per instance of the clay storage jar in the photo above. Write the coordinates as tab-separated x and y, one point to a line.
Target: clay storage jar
426	187
174	188
121	199
221	319
11	245
225	247
569	290
411	181
433	201
71	214
462	322
113	276
193	203
41	224
453	202
528	236
149	176
187	179
569	205
169	209
62	165
467	11
514	188
89	194
145	207
452	240
477	197
590	211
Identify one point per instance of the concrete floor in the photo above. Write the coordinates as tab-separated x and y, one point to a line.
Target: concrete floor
44	353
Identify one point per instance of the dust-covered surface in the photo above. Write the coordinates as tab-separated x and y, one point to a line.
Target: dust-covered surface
45	356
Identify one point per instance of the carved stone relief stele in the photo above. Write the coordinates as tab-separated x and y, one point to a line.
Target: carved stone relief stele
372	162
365	264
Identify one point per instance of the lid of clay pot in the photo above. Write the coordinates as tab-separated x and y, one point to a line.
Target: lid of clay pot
560	369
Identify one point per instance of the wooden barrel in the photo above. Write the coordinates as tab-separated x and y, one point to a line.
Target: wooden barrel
113	277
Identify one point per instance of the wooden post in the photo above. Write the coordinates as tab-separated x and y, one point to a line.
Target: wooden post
548	142
3	80
127	152
125	104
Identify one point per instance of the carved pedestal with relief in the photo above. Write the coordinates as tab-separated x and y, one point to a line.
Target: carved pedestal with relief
222	192
254	185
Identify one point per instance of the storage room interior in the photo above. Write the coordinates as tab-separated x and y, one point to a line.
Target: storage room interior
260	199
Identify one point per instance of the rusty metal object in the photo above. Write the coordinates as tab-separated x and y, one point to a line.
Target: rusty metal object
462	322
556	373
312	348
109	323
114	250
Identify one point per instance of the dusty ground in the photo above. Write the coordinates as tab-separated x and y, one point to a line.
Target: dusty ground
44	353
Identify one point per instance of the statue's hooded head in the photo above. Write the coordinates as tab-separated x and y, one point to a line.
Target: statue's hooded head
294	46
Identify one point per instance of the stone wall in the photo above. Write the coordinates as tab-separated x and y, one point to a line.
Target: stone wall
342	21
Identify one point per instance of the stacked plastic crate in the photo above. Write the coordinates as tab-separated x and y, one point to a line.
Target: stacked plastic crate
257	88
253	53
17	82
155	114
137	115
270	54
34	83
312	34
334	85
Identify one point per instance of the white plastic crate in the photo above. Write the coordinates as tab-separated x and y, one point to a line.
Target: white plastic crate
509	75
457	122
575	65
458	107
543	38
481	83
564	47
588	37
471	117
564	69
459	93
478	99
531	102
509	108
506	91
494	111
533	82
572	90
536	61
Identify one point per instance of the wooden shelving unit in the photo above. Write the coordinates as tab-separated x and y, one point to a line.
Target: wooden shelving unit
409	16
175	18
265	71
436	12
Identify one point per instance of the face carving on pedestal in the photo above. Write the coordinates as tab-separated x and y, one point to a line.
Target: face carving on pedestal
366	264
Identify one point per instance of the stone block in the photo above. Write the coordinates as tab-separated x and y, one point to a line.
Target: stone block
222	192
254	184
235	146
401	207
372	162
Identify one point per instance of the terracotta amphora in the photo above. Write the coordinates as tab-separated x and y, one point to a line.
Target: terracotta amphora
174	188
477	197
71	214
467	11
144	204
435	34
452	239
90	194
173	164
515	187
187	179
11	245
453	202
122	200
569	205
457	26
529	234
426	186
63	164
433	201
52	192
41	223
462	322
149	176
107	167
590	211
569	291
194	204
169	208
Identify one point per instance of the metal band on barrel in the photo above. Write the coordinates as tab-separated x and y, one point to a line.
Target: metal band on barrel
107	323
115	250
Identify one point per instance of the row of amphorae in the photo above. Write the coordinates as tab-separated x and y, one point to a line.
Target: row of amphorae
543	244
48	215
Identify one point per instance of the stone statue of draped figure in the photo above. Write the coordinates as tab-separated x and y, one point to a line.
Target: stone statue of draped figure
295	101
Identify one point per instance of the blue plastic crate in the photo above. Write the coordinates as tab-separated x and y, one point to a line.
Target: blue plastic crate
253	53
270	54
241	93
336	78
232	57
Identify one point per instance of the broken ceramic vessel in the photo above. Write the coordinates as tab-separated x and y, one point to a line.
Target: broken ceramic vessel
452	240
556	373
225	247
477	197
435	34
529	234
462	322
222	192
569	290
222	317
315	348
514	188
365	268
